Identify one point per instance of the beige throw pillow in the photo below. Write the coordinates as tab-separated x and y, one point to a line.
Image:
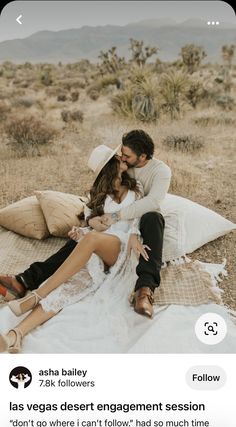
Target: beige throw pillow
26	218
60	211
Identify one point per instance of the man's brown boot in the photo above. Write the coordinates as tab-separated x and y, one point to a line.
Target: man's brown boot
143	301
10	288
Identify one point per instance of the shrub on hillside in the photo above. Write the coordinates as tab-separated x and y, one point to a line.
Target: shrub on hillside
173	88
28	133
23	102
139	100
74	96
103	82
185	143
72	116
61	97
207	119
226	102
46	78
94	95
4	110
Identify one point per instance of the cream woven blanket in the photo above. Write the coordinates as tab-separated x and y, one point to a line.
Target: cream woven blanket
185	284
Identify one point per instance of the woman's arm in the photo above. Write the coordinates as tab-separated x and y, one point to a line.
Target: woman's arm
95	222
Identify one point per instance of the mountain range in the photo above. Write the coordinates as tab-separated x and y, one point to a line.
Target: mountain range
86	42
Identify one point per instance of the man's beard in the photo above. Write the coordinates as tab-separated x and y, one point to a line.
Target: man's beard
134	165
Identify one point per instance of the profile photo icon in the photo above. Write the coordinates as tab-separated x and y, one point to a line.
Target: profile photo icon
20	377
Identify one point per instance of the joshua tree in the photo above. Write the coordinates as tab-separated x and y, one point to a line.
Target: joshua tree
192	56
111	62
141	53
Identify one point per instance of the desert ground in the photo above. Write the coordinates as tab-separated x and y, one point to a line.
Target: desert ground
71	108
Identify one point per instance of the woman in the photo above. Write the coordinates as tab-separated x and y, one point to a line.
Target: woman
96	253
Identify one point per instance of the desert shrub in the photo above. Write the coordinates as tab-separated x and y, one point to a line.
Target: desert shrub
144	102
103	82
219	79
139	100
26	134
209	96
61	97
53	90
8	65
173	88
94	94
159	66
226	102
24	84
27	66
46	78
3	95
122	102
185	143
69	84
207	119
9	75
23	102
194	93
139	75
72	116
4	111
74	96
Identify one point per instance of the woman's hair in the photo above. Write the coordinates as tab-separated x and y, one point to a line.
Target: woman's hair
104	184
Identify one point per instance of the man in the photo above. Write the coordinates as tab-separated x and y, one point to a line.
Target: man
137	151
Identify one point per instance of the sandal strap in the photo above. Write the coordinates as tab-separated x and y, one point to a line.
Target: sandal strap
17	344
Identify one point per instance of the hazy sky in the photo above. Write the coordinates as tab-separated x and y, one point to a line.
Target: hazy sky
59	15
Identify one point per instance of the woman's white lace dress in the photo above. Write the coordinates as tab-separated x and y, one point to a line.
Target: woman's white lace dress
90	278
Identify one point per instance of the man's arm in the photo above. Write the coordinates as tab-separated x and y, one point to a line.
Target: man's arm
152	201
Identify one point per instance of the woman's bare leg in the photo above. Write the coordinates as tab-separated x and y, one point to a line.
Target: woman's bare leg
106	246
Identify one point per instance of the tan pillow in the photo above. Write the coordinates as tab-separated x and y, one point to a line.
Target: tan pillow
60	211
26	218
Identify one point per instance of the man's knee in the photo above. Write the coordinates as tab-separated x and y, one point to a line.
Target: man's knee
152	219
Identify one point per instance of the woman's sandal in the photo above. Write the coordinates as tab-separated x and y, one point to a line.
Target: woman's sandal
17	306
5	342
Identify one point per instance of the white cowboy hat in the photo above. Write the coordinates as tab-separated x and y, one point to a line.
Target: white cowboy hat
100	156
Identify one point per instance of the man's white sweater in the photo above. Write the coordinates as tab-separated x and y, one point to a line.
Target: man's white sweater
155	178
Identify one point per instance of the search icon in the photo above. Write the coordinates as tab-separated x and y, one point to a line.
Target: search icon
210	328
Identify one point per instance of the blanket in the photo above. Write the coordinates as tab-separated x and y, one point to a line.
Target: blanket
106	323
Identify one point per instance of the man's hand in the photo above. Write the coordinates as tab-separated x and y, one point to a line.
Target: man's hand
138	248
97	224
108	220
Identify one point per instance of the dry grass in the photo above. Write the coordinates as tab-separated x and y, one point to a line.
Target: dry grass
206	176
